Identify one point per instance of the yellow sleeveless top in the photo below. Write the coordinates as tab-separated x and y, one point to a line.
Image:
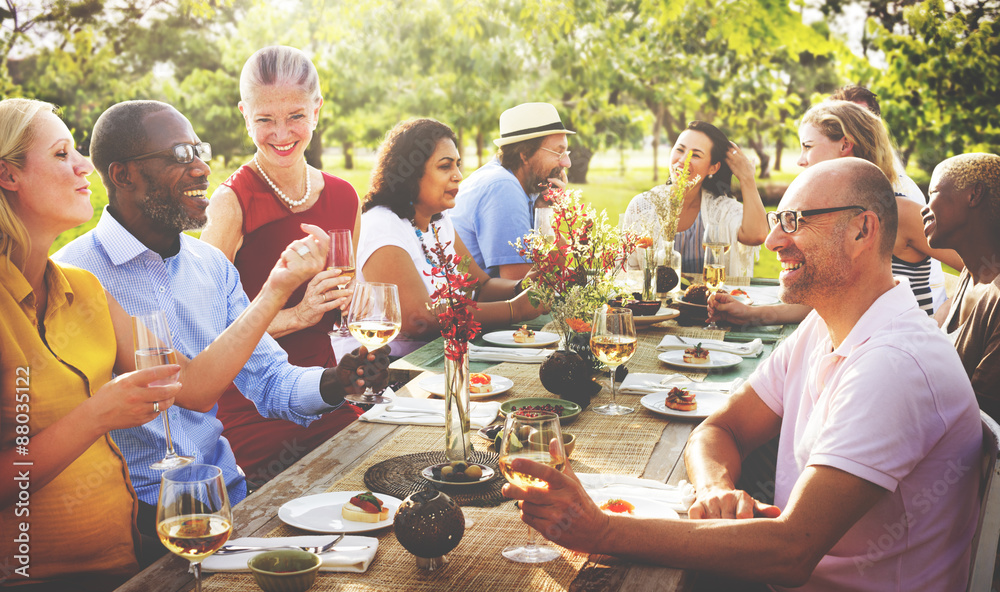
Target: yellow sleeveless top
83	521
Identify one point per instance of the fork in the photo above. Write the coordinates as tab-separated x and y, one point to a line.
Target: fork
319	550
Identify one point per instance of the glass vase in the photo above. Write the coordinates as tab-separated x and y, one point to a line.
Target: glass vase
668	273
457	435
648	273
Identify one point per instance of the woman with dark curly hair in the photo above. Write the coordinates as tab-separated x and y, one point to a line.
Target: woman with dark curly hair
413	185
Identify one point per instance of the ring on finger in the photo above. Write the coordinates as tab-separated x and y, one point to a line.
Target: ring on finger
302	250
156	406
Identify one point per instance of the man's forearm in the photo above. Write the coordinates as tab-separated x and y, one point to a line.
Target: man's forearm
712	458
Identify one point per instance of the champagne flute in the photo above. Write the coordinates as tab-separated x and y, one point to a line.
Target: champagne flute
153	347
193	517
341	257
519	426
613	341
374	320
716	245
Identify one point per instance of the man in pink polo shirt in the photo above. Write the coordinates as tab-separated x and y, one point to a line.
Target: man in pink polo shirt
879	431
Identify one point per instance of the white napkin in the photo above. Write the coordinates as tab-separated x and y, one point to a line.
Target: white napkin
429	412
678	497
354	561
518	355
672	342
637	383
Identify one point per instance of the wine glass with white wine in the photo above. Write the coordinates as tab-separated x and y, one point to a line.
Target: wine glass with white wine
519	432
154	347
193	516
341	257
716	243
613	341
374	320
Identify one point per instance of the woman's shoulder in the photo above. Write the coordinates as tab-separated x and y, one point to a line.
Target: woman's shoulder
382	215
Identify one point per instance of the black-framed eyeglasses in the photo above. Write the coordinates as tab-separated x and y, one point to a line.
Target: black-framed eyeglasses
789	219
182	153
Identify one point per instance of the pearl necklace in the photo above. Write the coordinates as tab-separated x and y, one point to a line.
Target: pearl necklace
291	203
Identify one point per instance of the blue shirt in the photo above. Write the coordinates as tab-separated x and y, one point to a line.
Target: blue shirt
201	294
492	211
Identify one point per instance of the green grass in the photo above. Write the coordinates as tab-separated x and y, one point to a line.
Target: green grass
607	189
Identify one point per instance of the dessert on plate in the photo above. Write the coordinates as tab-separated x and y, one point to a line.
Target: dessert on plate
364	507
524	335
480	383
696	355
680	399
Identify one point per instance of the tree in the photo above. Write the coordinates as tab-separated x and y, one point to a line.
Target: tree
941	81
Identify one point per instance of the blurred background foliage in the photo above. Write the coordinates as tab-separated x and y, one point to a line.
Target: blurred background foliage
621	71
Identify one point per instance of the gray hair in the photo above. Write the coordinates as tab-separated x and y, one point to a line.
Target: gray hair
279	65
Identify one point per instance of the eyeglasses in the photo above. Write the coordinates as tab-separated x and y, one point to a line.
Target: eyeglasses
182	153
790	218
559	154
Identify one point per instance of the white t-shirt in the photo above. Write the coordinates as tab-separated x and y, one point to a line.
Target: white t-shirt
906	187
380	227
893	406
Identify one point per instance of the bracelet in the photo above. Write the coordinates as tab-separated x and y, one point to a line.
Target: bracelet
511	307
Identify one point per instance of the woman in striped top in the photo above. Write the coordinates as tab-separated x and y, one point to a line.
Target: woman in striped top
713	162
835	129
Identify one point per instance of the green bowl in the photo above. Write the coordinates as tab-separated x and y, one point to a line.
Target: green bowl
285	570
569	413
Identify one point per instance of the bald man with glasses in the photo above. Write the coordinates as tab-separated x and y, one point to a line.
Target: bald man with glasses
879	432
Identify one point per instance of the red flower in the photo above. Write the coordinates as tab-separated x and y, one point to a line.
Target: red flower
458	325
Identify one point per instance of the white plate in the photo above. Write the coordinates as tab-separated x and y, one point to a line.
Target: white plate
321	513
435	386
644	508
542	339
716	359
762	296
708	402
664	314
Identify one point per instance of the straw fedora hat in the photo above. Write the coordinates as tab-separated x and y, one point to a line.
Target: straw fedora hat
527	121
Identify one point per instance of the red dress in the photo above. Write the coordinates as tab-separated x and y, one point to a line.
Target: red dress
264	447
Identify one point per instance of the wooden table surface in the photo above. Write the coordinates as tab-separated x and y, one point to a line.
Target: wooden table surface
257	514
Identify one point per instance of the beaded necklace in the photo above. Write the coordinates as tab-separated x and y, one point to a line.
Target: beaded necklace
420	239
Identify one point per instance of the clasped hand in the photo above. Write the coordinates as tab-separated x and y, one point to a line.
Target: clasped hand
717	502
361	368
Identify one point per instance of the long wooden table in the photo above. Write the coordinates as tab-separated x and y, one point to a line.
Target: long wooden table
356	445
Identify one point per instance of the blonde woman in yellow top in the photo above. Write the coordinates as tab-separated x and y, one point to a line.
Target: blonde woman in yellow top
67	510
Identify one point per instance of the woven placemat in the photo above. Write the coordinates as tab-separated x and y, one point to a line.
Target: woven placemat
401	475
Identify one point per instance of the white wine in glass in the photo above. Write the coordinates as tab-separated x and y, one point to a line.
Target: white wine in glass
613	341
517	444
375	320
154	347
193	516
716	243
342	257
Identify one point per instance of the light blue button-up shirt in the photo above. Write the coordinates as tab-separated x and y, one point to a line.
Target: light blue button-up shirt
201	294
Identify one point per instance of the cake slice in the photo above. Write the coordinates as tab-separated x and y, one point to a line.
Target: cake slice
480	383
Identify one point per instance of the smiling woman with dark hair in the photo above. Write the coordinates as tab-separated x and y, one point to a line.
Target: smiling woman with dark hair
713	162
413	186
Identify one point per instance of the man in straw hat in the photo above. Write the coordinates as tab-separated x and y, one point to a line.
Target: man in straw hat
495	205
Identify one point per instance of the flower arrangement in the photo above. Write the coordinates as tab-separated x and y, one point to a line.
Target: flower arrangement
667	200
452	299
575	266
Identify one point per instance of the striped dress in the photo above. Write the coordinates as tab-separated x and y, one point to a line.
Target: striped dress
919	276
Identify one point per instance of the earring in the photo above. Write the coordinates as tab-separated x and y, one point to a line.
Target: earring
710	176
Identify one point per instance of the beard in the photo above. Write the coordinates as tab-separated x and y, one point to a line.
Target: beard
823	273
539	180
159	206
